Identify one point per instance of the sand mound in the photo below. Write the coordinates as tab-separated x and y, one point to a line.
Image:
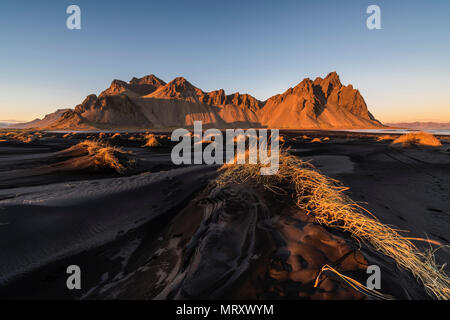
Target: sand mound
90	155
417	139
151	141
324	199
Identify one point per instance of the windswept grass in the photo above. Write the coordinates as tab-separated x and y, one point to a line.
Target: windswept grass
100	156
324	199
418	139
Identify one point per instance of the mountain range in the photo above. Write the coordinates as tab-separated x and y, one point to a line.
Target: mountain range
151	103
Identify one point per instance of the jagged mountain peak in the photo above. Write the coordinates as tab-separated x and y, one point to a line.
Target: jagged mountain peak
181	83
304	87
322	103
137	86
329	83
178	88
149	79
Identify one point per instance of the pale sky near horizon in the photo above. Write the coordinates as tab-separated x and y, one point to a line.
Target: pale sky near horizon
256	47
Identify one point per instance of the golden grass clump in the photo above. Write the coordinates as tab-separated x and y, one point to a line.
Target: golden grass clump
418	139
151	141
316	140
385	138
24	136
115	135
103	155
325	200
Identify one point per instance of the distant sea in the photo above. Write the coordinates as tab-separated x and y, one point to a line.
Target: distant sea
5	124
401	131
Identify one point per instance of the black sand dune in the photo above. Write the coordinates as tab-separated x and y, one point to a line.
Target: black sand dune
154	234
41	224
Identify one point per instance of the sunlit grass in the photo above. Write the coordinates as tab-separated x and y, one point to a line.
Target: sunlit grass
24	136
417	139
151	141
324	199
102	155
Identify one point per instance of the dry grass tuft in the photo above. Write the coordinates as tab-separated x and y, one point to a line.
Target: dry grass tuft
24	136
103	156
115	135
325	200
385	138
316	140
151	141
418	139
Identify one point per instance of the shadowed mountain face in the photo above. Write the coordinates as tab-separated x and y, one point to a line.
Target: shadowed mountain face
149	102
116	109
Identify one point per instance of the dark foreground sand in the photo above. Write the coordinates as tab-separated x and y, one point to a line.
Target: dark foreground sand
158	231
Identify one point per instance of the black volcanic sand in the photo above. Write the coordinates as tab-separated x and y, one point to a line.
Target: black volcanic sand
29	164
160	231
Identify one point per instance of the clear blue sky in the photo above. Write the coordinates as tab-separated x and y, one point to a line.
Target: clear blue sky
260	47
